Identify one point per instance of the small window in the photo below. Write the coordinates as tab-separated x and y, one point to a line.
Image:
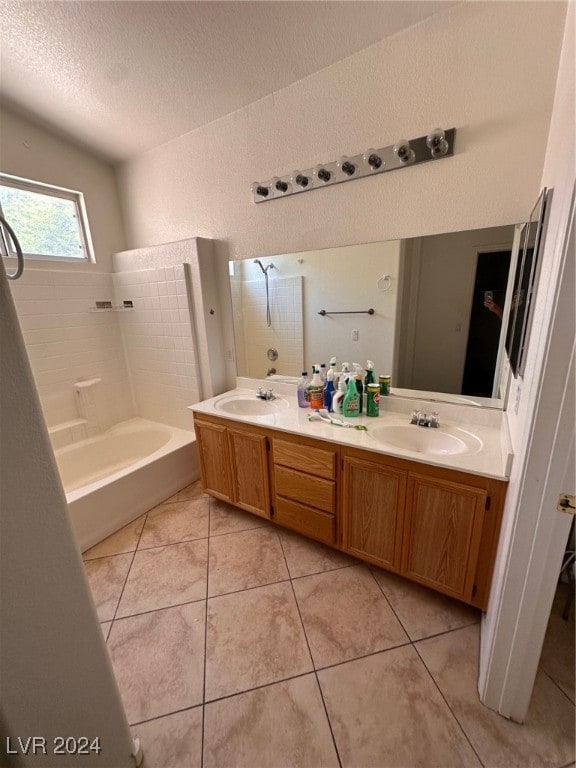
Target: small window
50	222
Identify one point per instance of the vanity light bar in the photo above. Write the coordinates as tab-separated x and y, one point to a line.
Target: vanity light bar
435	146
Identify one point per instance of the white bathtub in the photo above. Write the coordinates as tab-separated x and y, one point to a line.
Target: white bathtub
113	478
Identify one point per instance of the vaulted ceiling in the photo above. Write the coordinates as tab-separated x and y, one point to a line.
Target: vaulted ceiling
122	77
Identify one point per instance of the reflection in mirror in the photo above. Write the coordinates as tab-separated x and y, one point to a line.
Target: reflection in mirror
531	238
437	325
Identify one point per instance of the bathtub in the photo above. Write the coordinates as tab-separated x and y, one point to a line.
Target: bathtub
114	477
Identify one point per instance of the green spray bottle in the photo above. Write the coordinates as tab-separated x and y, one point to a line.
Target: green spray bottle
351	402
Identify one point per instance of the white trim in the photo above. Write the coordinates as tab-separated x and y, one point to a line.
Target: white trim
73	196
514	628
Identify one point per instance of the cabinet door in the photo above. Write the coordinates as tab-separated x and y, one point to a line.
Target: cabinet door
373	511
249	457
214	455
443	528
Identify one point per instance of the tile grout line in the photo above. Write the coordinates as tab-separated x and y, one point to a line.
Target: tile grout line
448	705
311	657
128	572
413	644
205	637
557	685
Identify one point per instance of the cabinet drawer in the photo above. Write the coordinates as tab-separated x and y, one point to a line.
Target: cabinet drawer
311	522
315	461
304	488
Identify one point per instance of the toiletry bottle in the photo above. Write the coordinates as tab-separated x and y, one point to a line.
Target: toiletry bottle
316	391
351	402
369	378
359	384
329	390
301	391
339	394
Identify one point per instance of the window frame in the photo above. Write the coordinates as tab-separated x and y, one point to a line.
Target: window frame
51	190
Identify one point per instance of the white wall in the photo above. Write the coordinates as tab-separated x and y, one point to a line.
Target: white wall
158	341
67	342
533	532
57	678
443	304
334	279
486	68
34	152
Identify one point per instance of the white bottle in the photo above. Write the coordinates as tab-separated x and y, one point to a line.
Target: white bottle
339	395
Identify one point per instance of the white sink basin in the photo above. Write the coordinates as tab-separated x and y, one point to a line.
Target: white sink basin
426	440
250	405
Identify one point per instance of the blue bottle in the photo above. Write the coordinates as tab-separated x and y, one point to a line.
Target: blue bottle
329	390
302	391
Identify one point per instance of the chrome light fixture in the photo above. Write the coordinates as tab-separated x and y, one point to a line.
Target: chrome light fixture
372	159
438	144
404	152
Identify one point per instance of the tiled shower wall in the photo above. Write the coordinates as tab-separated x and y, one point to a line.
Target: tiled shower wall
285	333
67	342
159	345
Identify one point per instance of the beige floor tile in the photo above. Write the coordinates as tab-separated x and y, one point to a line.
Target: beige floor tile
165	576
224	518
345	615
124	540
158	659
246	559
422	611
173	741
106	577
105	627
253	638
280	725
558	652
545	740
192	491
386	712
305	557
175	522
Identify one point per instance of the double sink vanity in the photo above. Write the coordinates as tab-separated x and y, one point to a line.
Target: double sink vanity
424	503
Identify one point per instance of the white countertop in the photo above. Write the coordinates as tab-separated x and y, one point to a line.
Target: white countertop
492	459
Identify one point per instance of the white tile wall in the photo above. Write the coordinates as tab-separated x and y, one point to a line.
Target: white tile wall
286	331
158	342
66	342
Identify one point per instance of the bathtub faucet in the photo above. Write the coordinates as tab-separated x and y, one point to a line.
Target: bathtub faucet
265	394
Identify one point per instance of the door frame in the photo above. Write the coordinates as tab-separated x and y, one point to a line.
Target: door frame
527	573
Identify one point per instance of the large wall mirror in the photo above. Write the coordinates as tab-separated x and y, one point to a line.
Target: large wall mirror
429	311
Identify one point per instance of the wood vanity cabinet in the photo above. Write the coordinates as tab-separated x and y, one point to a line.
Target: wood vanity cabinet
304	488
433	525
373	511
234	465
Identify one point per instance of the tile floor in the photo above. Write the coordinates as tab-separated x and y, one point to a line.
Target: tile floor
236	643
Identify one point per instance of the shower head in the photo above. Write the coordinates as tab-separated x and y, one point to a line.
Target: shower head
264	269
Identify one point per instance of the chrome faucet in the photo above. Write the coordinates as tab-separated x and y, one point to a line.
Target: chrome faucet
423	420
265	394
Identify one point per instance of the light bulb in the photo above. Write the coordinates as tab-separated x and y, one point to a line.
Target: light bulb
403	151
373	160
301	180
323	174
436	142
280	185
347	167
260	190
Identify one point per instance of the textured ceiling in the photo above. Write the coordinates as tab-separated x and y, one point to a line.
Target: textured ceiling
122	77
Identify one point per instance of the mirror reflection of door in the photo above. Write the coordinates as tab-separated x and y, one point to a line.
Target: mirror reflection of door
485	322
